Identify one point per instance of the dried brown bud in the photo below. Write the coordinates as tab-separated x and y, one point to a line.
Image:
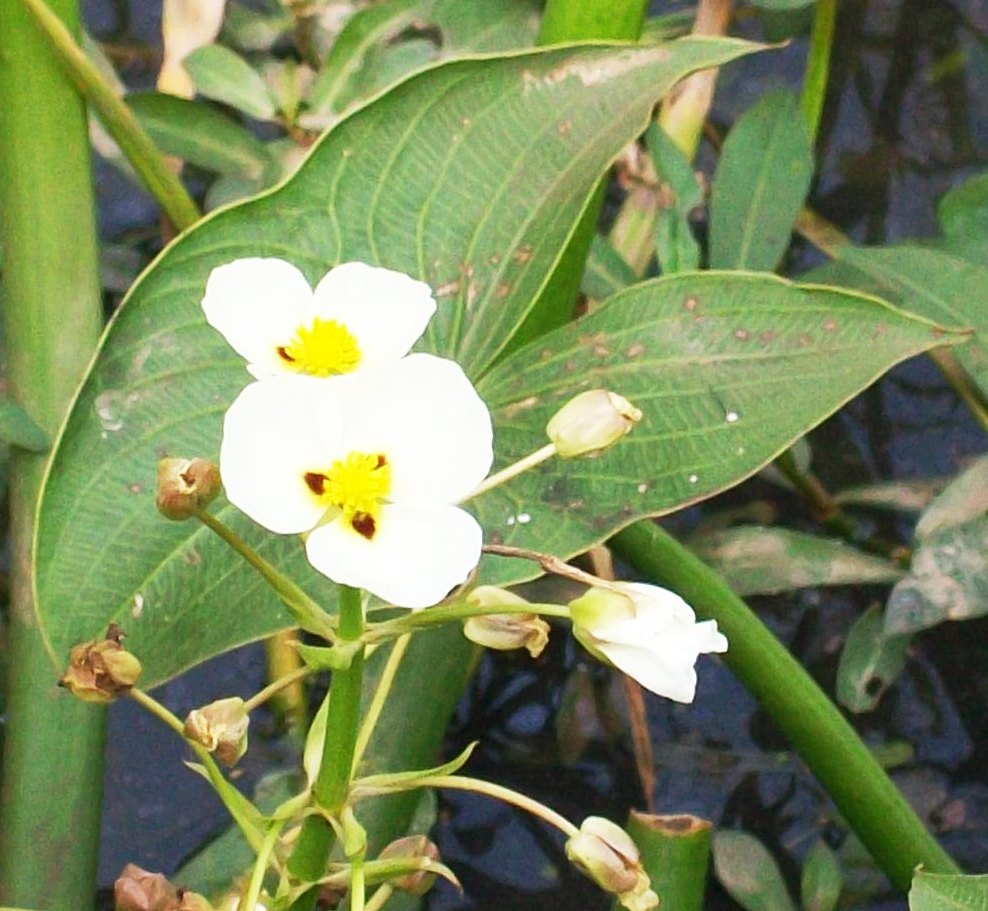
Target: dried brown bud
221	727
185	486
605	853
101	671
139	890
591	421
419	846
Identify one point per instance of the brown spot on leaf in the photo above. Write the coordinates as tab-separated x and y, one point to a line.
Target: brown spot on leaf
563	127
829	325
523	254
767	336
691	303
515	407
635	350
742	335
803	339
448	289
503	290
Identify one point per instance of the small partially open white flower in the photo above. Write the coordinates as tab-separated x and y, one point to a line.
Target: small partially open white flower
359	316
371	466
649	633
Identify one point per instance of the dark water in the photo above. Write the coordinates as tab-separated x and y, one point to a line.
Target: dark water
900	127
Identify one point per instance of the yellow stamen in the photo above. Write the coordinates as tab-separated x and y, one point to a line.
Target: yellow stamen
322	349
357	486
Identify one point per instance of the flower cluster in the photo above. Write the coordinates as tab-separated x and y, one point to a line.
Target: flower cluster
346	437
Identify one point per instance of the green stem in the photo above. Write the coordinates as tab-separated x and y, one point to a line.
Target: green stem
675	853
308	860
489	789
864	794
452	613
577	20
151	166
818	64
52	313
309	615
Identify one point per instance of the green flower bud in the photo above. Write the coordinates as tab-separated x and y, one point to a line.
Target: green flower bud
221	727
590	422
185	486
100	671
606	854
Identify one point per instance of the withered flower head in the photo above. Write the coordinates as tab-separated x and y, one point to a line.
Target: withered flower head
139	890
101	670
412	846
185	486
221	727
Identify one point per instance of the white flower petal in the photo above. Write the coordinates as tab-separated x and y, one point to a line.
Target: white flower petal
417	554
674	681
425	415
386	311
274	432
257	304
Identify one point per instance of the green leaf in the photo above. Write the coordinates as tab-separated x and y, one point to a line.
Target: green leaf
749	873
708	357
412	182
675	245
870	662
781	5
760	185
944	892
371	52
223	75
936	285
757	560
199	134
606	272
17	428
948	577
821	881
963	210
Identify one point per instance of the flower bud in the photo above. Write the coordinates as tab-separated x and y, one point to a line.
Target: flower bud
139	890
100	671
221	727
591	421
185	486
413	846
606	854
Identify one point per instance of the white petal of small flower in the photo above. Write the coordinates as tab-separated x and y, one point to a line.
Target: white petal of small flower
417	555
660	645
260	304
273	433
257	304
387	311
429	399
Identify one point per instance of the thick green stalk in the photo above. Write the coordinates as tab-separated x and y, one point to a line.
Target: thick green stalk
818	64
675	853
864	794
153	168
308	860
577	20
53	745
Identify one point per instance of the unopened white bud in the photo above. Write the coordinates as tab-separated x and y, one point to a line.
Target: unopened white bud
591	421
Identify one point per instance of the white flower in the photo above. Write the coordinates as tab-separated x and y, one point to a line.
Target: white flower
359	316
371	466
649	633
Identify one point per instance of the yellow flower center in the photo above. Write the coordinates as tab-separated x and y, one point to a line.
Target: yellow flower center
357	486
324	348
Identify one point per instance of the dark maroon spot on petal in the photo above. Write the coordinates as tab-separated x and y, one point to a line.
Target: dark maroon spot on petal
381	461
364	525
316	482
284	355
